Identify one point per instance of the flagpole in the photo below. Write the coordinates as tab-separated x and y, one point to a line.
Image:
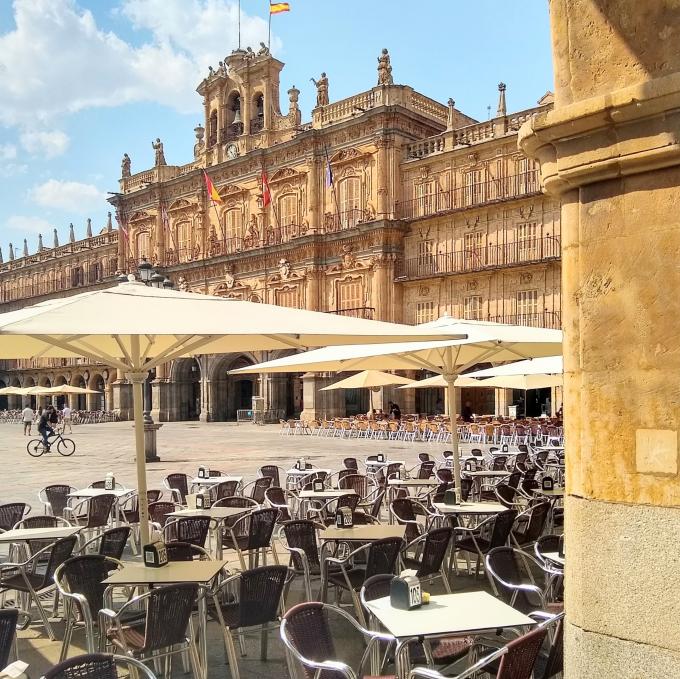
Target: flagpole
269	40
239	25
335	195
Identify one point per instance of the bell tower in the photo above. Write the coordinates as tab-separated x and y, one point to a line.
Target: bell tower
241	103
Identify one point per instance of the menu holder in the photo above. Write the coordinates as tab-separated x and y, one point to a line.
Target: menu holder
547	483
155	554
202	473
203	501
451	497
406	593
344	518
380	457
317	486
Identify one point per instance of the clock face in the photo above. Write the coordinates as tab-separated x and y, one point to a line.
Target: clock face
232	151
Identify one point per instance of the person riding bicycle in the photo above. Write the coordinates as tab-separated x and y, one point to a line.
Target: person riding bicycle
44	425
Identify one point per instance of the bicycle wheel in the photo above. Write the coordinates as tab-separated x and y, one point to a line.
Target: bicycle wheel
35	447
66	447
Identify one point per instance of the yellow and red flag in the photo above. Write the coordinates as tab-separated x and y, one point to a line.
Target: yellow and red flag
266	192
210	188
278	7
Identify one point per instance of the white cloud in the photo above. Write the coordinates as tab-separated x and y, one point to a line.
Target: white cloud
58	61
68	196
44	143
24	224
9	168
8	152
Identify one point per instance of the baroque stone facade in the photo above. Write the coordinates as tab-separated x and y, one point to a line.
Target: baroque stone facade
386	205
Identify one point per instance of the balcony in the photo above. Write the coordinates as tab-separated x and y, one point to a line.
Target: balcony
473	195
539	319
365	312
479	259
339	221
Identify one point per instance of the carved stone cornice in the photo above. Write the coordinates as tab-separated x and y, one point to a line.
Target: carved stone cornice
628	131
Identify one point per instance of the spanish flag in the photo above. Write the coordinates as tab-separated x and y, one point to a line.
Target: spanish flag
210	188
278	7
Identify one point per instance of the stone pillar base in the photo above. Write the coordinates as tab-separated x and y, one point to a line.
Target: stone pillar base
150	441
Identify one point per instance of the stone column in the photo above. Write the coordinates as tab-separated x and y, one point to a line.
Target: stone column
503	400
383	208
610	150
380	288
122	396
312	291
314	209
159	237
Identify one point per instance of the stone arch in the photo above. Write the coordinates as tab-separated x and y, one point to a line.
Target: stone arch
14	401
44	381
29	381
96	401
229	393
60	399
185	375
78	401
4	402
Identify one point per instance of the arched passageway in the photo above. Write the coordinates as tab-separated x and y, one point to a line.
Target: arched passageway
187	378
230	393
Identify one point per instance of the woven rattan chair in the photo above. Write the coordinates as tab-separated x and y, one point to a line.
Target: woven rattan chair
514	661
92	513
191	529
325	513
283	500
163	632
80	581
430	549
130	508
12	513
258	487
101	485
306	633
300	538
159	512
35	576
9	618
55	498
529	525
178	485
273	472
380	558
251	536
97	666
406	511
42	521
250	599
185	551
109	543
491	533
224	489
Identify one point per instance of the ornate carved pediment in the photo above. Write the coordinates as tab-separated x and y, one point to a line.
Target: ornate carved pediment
286	174
180	204
231	189
139	217
347	156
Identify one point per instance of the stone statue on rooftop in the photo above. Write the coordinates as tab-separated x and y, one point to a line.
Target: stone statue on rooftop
125	166
264	50
385	69
157	146
321	90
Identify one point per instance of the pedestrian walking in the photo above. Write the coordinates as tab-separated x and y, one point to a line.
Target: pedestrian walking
66	418
27	416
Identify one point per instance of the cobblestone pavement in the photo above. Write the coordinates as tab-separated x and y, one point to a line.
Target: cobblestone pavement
235	449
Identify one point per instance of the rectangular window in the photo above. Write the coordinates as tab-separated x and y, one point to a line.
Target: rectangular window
350	295
527	307
143	245
288	298
526	237
349	191
472	309
288	210
473	250
425	312
473	187
425	199
426	260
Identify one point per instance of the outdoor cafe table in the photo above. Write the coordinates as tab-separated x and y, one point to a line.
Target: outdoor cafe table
24	535
173	573
471	508
120	493
555	493
466	613
294	475
214	480
477	477
413	483
308	496
367	533
218	515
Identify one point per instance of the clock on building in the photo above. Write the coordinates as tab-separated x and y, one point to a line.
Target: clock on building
232	151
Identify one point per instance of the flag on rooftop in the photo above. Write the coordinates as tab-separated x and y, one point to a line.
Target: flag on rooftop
212	191
278	7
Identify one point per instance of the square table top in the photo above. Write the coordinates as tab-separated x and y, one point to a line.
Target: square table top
470	508
555	492
172	573
96	492
460	613
413	482
305	472
554	556
363	533
23	534
326	493
214	480
375	463
213	512
486	472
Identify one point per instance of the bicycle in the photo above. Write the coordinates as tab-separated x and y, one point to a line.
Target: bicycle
65	447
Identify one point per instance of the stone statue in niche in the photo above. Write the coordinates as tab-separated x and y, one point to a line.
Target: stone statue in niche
125	165
157	146
385	69
253	233
182	284
229	279
321	90
284	269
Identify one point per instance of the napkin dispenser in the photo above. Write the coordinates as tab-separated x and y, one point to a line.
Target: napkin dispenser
202	473
301	464
110	481
450	497
406	593
470	465
317	485
155	554
203	500
380	457
343	518
547	483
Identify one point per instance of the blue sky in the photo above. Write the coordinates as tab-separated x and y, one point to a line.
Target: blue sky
83	81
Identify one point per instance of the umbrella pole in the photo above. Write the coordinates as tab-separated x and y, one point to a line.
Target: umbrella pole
137	379
451	391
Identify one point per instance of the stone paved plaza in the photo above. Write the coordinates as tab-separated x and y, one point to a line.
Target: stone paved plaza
238	449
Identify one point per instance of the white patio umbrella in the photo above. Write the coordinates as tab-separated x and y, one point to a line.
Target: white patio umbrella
135	328
545	365
69	389
11	391
369	379
438	381
484	342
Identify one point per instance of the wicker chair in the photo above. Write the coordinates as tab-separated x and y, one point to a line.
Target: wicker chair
130	507
362	485
406	511
380	557
35	576
306	633
42	521
159	512
164	630
185	551
191	529
251	535
529	525
101	485
258	488
12	513
301	541
250	599
55	498
325	513
430	548
9	618
178	485
93	513
224	489
80	581
97	666
283	500
111	542
273	472
516	660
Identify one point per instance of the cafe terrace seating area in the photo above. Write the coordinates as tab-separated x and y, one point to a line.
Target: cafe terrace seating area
298	564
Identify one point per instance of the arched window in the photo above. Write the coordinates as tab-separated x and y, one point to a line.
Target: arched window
233	228
113	266
234	126
257	118
212	129
349	197
143	243
288	210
